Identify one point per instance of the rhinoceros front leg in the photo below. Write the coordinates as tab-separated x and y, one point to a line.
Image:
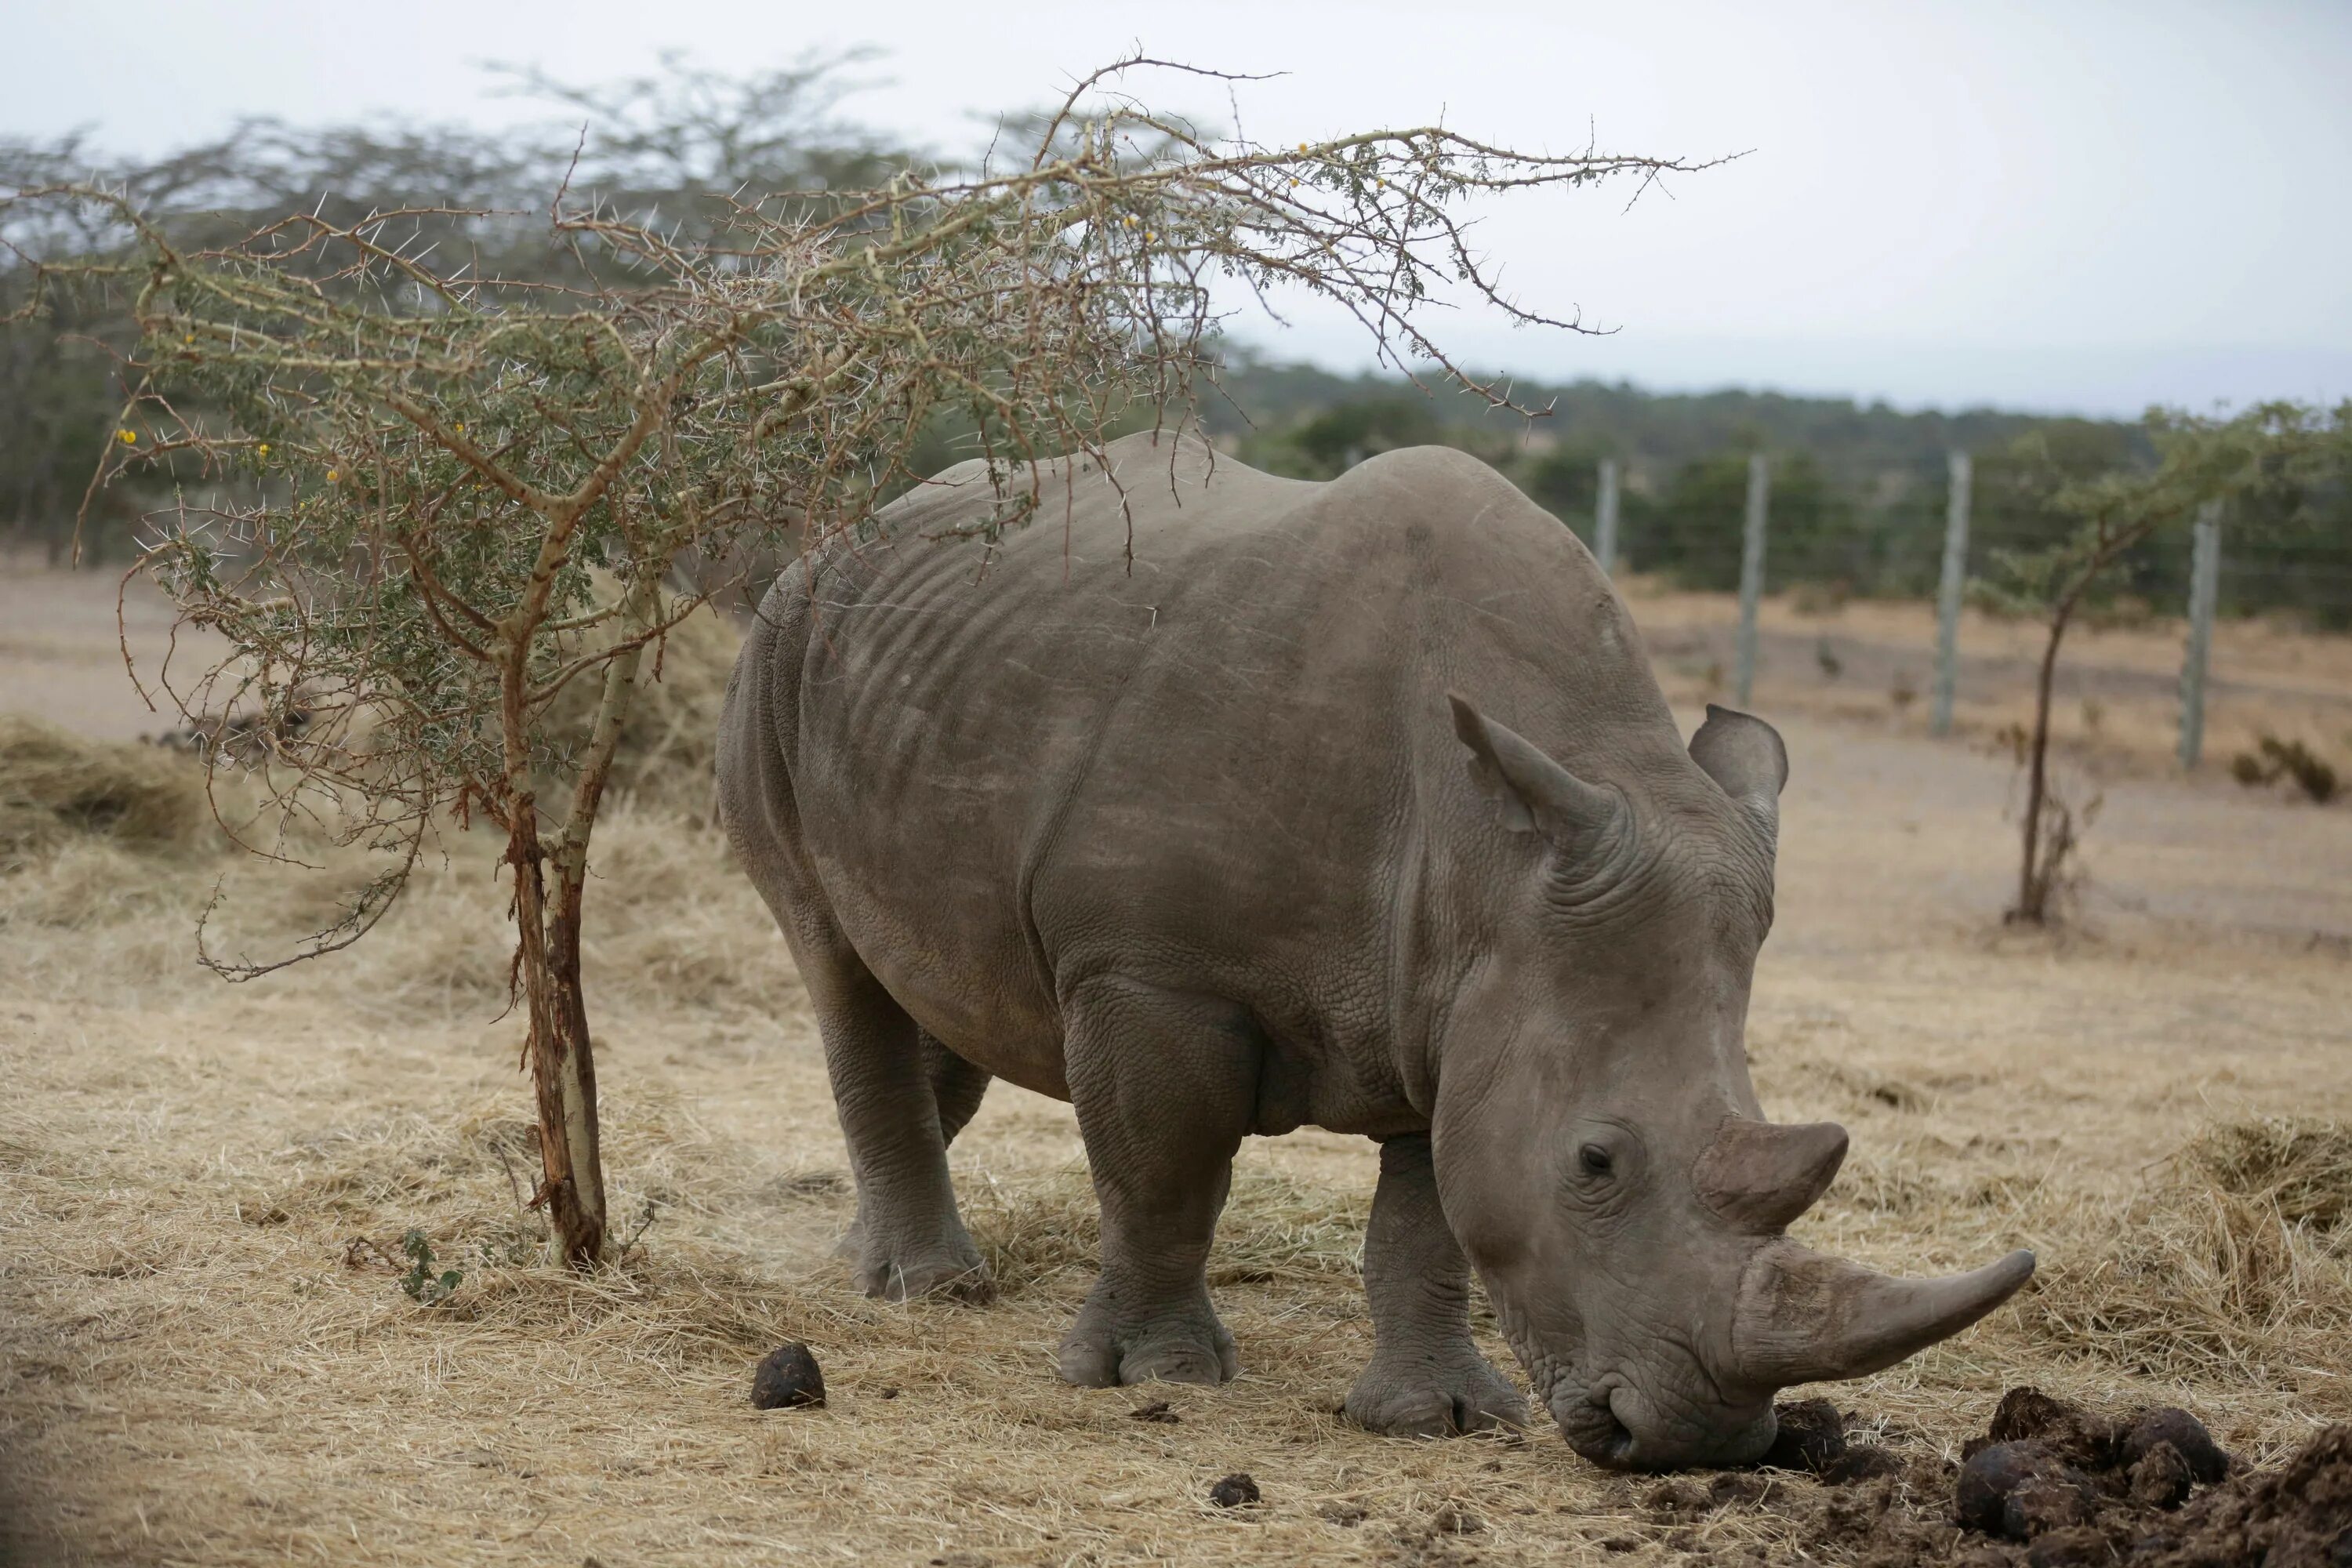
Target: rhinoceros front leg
1163	1083
1427	1378
908	1240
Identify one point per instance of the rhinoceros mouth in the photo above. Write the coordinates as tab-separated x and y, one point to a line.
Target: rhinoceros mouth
1591	1423
1612	1425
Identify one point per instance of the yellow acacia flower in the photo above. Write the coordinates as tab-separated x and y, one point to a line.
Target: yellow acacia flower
262	450
129	437
332	476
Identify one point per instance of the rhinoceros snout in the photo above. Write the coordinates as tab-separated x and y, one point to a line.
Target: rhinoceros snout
1618	1430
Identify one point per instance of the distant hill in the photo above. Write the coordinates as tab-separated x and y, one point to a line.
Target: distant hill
1858	490
1867	447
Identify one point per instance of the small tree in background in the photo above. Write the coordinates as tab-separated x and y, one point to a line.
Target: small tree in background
2276	452
675	140
423	501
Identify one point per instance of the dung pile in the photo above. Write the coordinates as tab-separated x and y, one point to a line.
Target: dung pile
2050	1484
2057	1485
2074	1486
56	787
2299	1516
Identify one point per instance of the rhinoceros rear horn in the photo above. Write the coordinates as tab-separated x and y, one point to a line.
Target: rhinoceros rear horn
1537	794
1804	1317
1760	1175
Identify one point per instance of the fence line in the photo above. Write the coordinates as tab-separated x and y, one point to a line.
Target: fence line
1752	570
1947	592
2204	588
1604	542
1972	534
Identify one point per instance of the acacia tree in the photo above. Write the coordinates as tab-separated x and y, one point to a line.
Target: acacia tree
421	504
2276	450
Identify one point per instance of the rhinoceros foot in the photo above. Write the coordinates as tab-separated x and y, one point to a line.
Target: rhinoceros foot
1402	1398
951	1269
1108	1347
966	1282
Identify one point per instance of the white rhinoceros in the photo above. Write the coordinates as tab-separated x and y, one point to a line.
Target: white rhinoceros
1352	804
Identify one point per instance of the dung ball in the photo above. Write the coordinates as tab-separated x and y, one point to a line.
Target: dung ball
2076	1546
2160	1478
1980	1495
2041	1504
1234	1490
1812	1436
788	1379
2077	1436
2168	1424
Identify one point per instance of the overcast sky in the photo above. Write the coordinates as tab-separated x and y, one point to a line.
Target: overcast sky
2066	204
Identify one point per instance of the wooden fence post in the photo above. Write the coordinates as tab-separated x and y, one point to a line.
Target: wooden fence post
1751	572
1947	593
1604	530
2204	589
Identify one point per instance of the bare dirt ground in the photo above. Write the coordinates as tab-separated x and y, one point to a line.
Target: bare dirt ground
61	650
208	1359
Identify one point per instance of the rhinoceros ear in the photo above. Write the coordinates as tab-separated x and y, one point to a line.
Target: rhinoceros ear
1538	795
1745	756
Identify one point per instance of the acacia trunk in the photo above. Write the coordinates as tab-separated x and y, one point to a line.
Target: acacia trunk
560	1051
550	879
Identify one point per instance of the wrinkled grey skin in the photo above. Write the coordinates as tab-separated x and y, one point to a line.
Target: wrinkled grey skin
1352	804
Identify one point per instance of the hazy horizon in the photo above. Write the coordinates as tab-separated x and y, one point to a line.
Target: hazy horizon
2084	210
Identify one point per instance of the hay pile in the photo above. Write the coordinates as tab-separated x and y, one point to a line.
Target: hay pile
114	850
2230	1266
56	788
2299	1169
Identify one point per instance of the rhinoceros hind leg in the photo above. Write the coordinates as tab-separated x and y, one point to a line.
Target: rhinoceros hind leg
1427	1378
957	1087
1163	1083
908	1240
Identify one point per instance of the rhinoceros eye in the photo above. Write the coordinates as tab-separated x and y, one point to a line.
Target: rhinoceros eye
1595	1160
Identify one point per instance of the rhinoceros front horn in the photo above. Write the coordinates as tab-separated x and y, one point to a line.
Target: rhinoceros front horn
1804	1317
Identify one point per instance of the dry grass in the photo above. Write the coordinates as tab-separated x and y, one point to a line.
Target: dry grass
202	1367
